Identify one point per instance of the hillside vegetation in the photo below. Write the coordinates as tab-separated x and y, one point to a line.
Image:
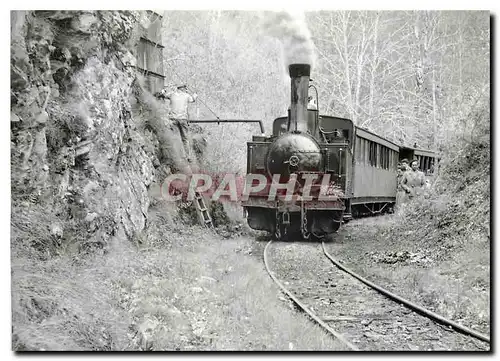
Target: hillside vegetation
436	250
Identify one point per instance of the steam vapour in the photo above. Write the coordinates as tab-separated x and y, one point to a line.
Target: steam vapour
291	29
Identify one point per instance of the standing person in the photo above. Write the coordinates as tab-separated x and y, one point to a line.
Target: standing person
179	100
400	193
413	180
405	165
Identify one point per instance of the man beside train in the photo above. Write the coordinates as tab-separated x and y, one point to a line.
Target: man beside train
399	190
413	180
404	165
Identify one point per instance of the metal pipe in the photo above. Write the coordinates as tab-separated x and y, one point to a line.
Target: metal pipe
218	121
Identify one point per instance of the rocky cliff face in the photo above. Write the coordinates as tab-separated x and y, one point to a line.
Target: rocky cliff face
81	150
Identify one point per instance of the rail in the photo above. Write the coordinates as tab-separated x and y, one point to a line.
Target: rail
408	303
304	307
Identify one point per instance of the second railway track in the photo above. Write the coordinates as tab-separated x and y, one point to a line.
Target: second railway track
353	312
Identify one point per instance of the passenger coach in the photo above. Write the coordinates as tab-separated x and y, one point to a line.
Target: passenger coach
374	173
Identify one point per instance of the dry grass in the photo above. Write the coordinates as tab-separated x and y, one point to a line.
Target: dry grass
193	291
450	277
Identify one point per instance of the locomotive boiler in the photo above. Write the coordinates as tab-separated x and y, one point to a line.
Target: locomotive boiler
306	163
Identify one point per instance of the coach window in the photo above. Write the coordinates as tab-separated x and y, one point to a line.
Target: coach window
358	147
387	155
382	156
371	154
361	150
368	156
365	151
382	153
363	147
384	165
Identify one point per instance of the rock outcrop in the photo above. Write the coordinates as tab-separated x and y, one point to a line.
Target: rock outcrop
79	146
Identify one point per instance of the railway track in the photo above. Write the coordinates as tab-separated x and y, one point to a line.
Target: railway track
359	313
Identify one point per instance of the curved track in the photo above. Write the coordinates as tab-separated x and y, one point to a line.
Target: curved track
304	307
421	310
387	294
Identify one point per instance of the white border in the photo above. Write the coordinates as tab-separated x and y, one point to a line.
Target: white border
187	5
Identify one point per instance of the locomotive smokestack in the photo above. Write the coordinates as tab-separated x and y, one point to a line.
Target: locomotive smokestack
299	75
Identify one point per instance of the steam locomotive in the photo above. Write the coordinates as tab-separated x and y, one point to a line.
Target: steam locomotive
329	171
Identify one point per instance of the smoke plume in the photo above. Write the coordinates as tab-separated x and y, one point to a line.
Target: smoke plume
291	29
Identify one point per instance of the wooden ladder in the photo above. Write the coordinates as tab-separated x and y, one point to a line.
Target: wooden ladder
202	210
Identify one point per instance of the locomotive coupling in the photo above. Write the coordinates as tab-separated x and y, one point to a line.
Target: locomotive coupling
286	217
